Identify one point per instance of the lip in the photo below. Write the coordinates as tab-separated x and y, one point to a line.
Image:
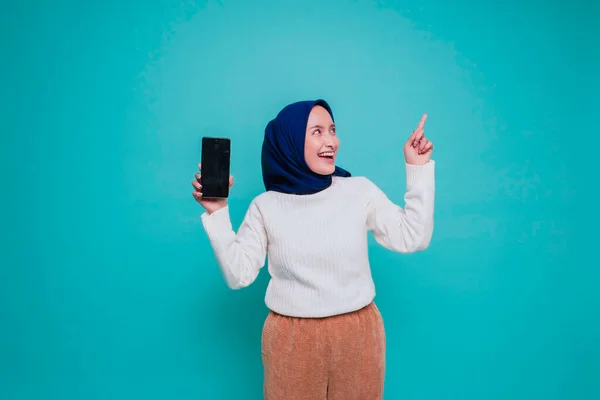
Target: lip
328	160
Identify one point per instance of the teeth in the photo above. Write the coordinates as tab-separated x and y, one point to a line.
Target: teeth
326	154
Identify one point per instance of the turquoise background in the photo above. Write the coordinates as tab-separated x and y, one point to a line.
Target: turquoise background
108	286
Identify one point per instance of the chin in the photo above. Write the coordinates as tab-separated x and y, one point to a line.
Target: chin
330	169
321	168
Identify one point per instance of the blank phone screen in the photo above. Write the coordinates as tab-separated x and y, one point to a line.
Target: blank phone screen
216	154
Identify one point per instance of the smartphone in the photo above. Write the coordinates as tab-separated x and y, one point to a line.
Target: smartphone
216	160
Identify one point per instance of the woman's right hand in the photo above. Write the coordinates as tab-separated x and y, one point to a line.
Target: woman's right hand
210	205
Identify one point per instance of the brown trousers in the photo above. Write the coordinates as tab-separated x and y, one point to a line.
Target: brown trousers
334	358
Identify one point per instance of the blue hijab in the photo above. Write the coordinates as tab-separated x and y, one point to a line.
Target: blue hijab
284	166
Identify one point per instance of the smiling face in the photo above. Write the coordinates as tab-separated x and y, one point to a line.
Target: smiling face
322	143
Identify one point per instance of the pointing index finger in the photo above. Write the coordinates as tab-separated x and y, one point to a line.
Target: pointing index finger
422	122
418	132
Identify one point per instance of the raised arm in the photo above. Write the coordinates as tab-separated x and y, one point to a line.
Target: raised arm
240	255
410	229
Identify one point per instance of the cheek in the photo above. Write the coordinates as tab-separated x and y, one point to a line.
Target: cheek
311	158
311	149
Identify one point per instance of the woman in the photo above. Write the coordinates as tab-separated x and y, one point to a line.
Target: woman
324	336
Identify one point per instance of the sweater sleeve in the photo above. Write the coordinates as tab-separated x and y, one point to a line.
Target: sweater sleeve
410	229
240	255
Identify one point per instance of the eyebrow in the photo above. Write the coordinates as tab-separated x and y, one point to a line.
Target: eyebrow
320	126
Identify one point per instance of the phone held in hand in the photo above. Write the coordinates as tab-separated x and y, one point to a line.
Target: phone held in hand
215	167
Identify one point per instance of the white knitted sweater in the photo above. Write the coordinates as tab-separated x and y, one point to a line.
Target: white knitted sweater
317	244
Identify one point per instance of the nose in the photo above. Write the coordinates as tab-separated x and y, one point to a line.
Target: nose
328	140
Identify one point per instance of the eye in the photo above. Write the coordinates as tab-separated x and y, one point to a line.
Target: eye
333	130
316	132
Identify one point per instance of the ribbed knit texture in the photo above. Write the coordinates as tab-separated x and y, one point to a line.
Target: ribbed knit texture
317	244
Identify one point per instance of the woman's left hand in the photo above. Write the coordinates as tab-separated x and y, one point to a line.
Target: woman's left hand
418	149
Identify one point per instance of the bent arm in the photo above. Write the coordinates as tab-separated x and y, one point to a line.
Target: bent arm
410	229
240	255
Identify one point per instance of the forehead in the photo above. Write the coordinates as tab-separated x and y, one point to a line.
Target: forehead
319	115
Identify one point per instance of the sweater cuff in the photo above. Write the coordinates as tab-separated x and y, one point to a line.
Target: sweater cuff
217	224
420	175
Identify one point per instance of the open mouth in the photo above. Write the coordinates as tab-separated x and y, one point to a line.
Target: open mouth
327	155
